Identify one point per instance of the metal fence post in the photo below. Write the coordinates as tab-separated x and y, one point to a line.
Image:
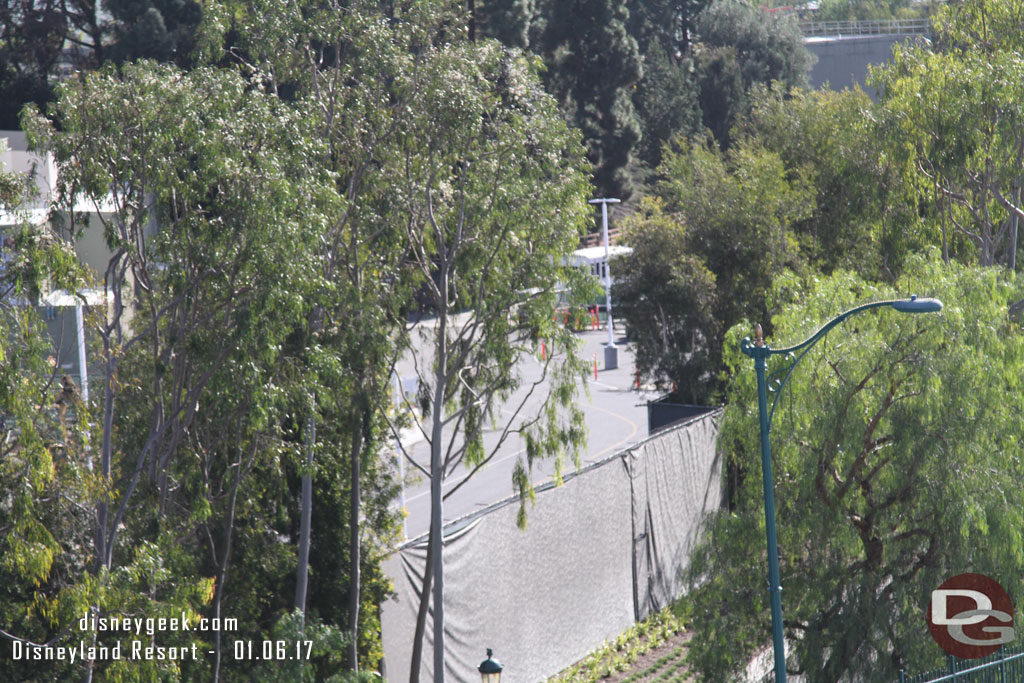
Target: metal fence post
903	676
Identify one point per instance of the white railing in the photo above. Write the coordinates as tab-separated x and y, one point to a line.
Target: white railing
866	27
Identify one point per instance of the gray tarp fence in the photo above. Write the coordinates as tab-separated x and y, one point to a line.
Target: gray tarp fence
601	551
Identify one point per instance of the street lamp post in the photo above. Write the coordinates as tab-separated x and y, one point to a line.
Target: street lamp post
490	669
760	352
611	353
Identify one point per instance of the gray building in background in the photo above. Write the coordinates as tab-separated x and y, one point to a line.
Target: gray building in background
845	49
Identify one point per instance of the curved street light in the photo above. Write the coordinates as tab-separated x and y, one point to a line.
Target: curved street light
760	352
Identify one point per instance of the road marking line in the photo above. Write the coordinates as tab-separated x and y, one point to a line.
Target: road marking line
619	443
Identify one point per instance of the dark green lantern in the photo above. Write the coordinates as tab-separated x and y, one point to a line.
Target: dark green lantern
490	669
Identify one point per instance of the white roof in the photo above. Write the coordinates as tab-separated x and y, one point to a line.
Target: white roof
62	297
592	255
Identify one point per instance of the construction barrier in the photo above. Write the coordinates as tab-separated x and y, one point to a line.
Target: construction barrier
600	552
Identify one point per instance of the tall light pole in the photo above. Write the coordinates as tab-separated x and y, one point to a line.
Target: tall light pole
611	353
83	375
760	352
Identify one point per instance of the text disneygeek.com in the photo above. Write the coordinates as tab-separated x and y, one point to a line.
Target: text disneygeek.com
88	649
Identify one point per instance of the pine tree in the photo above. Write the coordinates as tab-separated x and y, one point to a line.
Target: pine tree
666	100
509	21
593	63
670	23
163	30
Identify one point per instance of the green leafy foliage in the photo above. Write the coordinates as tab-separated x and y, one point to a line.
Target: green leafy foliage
619	654
803	187
894	457
41	42
311	652
45	474
33	38
954	106
509	21
721	232
493	201
268	227
46	482
667	23
163	30
742	45
667	298
865	211
193	401
489	151
859	10
739	208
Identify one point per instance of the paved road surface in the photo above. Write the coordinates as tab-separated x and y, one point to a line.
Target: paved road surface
616	416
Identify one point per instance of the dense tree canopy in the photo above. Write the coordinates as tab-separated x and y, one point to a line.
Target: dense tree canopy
666	102
821	201
668	298
44	447
163	30
802	187
34	35
956	107
593	63
42	41
269	223
864	215
297	177
669	23
628	76
193	395
743	45
725	229
888	480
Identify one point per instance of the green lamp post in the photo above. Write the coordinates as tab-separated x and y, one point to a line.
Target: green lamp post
760	352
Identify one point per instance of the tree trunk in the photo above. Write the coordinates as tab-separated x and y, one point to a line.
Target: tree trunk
302	571
353	544
421	615
437	474
106	450
222	566
1012	263
437	541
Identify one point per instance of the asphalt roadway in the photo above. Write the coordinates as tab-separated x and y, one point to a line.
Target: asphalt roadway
616	416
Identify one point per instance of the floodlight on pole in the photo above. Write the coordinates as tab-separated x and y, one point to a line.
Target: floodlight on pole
610	352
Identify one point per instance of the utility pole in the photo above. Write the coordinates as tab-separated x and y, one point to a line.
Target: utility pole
611	353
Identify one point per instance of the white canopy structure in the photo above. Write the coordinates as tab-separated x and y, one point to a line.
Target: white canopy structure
595	259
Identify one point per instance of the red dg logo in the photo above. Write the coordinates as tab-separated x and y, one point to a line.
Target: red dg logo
970	616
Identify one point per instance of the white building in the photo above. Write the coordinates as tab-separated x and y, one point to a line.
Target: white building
65	314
